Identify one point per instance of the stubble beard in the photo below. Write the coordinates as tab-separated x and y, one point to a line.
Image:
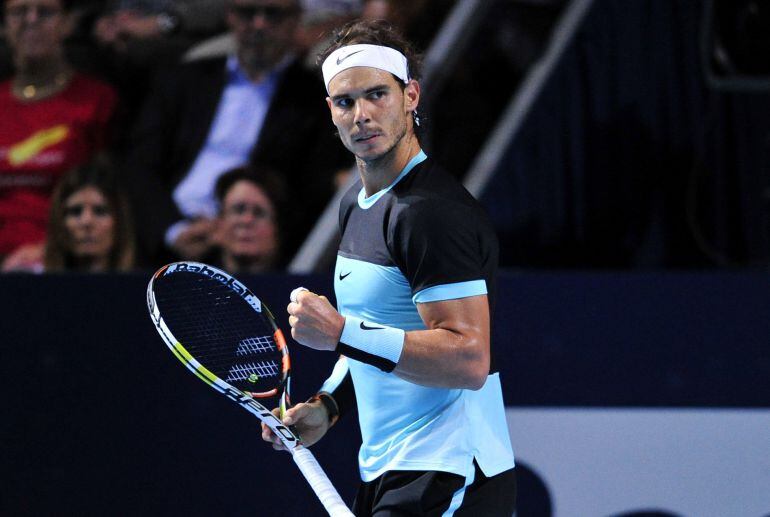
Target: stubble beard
259	56
385	156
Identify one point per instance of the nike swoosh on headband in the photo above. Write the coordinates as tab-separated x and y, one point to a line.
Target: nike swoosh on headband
340	59
364	55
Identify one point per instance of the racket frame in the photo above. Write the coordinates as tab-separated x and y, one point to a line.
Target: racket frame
245	399
302	457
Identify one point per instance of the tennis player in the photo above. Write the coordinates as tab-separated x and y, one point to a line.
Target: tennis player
414	282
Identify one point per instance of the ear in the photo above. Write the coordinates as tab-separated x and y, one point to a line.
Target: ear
411	95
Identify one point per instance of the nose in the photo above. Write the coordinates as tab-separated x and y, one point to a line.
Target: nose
259	20
31	14
361	113
247	217
87	217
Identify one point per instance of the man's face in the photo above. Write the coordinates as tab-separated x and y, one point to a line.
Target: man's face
35	29
263	29
371	111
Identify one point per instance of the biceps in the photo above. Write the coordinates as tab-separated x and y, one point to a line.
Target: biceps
468	317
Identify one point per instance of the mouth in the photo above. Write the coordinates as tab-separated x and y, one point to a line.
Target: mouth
87	238
245	238
365	138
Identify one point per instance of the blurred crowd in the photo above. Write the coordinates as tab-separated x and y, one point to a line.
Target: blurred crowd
136	132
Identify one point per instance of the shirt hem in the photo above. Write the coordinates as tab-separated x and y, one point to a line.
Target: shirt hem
460	469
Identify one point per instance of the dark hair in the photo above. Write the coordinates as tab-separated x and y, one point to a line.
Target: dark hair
66	5
374	32
99	174
265	178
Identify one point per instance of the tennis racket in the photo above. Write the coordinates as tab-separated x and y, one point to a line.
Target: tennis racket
228	338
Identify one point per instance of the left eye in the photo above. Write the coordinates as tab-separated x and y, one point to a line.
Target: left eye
343	103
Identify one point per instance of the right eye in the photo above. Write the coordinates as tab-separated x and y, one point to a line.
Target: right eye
73	211
343	103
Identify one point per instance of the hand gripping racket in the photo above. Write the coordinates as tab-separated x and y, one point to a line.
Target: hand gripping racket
226	336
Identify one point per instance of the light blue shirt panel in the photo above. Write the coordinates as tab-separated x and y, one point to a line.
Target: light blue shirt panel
374	293
338	375
236	126
489	439
405	426
454	291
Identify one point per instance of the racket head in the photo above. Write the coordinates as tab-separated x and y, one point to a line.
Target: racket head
220	330
216	327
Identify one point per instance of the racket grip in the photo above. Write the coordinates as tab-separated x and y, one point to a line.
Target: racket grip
320	483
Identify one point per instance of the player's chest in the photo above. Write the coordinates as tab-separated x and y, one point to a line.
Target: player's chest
360	283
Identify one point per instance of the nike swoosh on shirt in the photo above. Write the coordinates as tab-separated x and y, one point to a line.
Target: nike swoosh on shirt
364	327
340	59
343	277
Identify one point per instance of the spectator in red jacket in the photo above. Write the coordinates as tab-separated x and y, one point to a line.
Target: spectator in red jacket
53	118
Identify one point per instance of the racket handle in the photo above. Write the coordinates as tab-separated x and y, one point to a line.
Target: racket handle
320	483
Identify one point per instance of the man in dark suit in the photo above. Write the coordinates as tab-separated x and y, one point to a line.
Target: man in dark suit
258	106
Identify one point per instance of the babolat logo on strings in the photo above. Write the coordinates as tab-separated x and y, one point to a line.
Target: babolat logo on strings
237	287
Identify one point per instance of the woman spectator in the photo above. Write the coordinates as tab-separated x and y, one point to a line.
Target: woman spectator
53	118
89	229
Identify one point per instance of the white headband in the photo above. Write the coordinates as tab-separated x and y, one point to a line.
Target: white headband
375	56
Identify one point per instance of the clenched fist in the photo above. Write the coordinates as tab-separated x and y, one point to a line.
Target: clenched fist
314	322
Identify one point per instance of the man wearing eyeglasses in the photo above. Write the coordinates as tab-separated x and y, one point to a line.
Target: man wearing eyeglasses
255	106
248	230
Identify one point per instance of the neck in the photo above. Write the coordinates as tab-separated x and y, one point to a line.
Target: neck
238	264
381	172
39	79
255	70
40	70
92	264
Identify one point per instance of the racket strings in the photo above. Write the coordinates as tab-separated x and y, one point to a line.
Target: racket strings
247	371
256	345
221	330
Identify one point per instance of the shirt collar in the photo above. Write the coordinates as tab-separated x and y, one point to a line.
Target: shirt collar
236	74
367	202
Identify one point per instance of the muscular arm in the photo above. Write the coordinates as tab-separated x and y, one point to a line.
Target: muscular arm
452	353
